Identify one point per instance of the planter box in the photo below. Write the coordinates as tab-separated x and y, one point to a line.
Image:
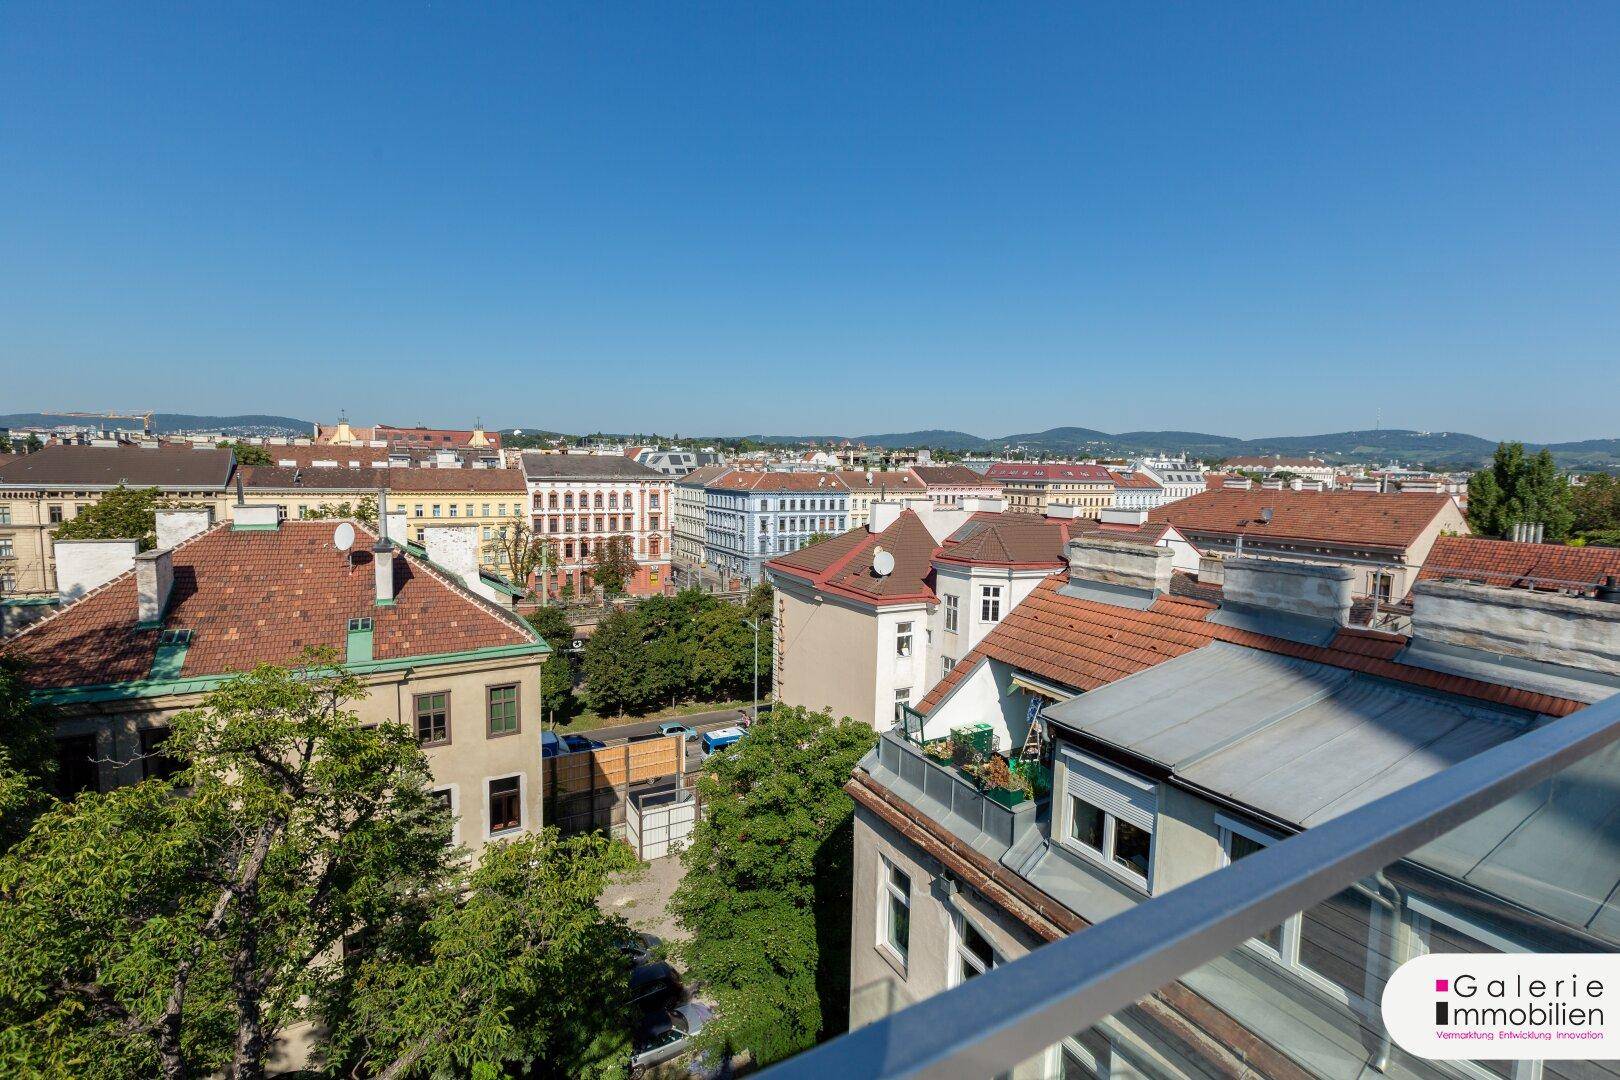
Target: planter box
1004	796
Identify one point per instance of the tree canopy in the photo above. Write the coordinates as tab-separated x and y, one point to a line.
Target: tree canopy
766	895
120	514
363	510
1516	489
1595	503
300	873
27	754
248	453
613	562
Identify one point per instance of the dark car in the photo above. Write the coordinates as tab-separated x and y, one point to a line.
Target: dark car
655	986
573	744
639	948
668	1033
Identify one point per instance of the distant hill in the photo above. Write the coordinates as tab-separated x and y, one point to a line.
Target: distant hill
936	438
249	424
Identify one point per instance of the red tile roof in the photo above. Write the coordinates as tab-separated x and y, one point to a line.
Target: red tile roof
1011	540
897	483
744	480
1507	563
457	481
260	597
1010	470
953	476
1347	518
1275	462
1084	644
1136	480
843	565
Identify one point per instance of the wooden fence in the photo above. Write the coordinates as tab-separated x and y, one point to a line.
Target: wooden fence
588	789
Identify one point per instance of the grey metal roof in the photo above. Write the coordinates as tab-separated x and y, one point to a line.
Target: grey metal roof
80	467
538	466
1297	741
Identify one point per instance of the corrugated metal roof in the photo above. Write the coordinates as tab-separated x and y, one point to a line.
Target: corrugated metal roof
1296	740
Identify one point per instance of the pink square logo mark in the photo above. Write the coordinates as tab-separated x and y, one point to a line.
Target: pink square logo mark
1442	985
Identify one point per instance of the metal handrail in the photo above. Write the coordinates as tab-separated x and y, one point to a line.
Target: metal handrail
985	1026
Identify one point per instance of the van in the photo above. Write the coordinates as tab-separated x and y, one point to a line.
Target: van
720	738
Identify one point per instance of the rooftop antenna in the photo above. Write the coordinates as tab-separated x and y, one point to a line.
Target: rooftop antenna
241	499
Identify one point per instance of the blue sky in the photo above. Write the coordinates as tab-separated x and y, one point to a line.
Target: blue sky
858	218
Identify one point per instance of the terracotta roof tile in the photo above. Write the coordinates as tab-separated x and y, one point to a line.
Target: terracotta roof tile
844	563
254	597
953	476
892	483
1364	518
745	480
1013	470
1507	563
1018	540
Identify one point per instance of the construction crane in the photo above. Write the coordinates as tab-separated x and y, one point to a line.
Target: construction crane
144	417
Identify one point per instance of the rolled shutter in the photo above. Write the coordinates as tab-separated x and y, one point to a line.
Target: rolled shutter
1127	797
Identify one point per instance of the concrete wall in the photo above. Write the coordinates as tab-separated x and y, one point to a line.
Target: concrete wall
464	765
827	656
177	526
1120	562
82	565
1316	591
1574	631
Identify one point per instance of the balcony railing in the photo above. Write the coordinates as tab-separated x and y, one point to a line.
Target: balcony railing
1195	942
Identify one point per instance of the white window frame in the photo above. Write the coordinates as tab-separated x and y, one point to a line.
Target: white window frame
990	603
1105	856
1424	913
888	893
523	804
960	954
903	639
953	613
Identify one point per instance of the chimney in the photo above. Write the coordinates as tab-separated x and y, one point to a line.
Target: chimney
1572	631
1142	569
382	560
884	513
454	549
154	579
177	526
1211	570
1237	483
263	517
984	504
1304	590
82	565
393	525
1122	517
1059	511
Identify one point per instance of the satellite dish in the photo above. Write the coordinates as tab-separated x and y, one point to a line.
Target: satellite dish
882	563
1265	515
343	536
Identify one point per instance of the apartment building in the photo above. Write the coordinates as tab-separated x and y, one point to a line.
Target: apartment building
1177	476
867	486
1306	468
390	437
1136	491
41	490
691	516
489	501
1031	489
1383	538
153	639
752	516
1167	740
582	500
952	485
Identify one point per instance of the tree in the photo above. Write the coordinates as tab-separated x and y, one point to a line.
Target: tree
303	876
248	453
616	666
5	443
1595	502
522	551
1519	489
557	676
613	562
766	895
120	514
815	538
364	510
31	444
27	754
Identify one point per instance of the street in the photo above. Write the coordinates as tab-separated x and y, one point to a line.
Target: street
700	722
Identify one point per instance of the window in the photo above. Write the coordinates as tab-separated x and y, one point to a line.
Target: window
950	662
433	719
902	639
953	613
894	911
1381	587
505	804
76	766
435	509
469	510
568	501
446	797
56	515
902	697
973	953
5	515
1111	815
652	503
990	603
6	551
356	626
155	764
486	509
418	510
452	509
503	710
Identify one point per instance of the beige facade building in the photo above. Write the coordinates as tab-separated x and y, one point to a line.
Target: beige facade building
1031	488
868	486
434	655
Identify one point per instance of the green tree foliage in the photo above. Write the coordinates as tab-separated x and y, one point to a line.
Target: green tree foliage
5	443
613	562
1595	502
248	453
521	551
557	676
120	514
1519	488
303	875
816	538
31	444
766	895
27	754
363	510
617	675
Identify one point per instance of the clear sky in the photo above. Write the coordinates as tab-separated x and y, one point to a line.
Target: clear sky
854	218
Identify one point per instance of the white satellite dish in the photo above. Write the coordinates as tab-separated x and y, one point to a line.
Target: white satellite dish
343	536
882	563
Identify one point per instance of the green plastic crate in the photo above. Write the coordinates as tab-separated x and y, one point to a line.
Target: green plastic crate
980	736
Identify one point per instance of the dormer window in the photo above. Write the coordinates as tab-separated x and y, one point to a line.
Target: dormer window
177	636
1111	814
357	626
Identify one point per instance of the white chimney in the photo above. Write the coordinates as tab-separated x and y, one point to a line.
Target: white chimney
454	549
1062	512
1574	631
382	558
177	526
393	525
1311	590
1122	517
984	504
247	517
883	514
154	580
82	565
1101	561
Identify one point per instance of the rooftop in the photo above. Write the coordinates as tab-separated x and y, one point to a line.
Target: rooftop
1010	470
952	476
843	564
1509	564
537	466
1012	540
1341	518
892	482
252	597
109	466
747	480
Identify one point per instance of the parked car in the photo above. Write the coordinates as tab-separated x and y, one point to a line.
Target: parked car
638	948
573	744
720	738
668	1034
550	744
655	986
676	727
